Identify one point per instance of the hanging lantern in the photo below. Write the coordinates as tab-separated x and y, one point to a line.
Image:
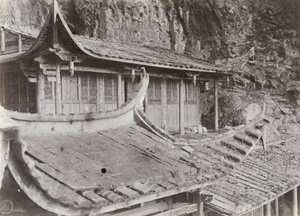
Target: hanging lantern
194	79
206	86
71	66
132	74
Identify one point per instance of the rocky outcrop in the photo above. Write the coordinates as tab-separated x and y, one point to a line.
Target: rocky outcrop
206	29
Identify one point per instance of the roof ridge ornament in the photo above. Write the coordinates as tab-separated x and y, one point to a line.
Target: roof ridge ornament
55	32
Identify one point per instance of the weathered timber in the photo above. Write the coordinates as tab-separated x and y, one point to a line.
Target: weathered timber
2	40
127	192
119	90
295	201
216	105
185	209
58	90
146	188
276	207
95	198
232	154
63	194
268	209
111	196
181	107
40	91
145	210
19	43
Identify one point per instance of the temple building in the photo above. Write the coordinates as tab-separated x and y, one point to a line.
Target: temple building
85	129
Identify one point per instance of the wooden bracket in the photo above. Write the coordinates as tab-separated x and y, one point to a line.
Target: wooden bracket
194	79
132	74
71	66
206	198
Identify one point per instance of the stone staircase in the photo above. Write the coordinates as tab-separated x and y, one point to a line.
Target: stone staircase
230	150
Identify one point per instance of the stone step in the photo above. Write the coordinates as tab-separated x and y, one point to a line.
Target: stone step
232	154
254	133
213	154
236	146
244	139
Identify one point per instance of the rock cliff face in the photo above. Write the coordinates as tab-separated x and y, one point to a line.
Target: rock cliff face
206	29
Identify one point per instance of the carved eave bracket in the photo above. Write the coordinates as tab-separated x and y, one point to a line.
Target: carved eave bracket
49	73
67	56
133	71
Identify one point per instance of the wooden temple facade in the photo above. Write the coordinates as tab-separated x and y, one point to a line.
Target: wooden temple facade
84	121
67	74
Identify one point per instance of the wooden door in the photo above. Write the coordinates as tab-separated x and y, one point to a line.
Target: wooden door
110	92
154	103
191	104
172	104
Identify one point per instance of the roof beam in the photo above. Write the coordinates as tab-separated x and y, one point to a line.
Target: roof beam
145	210
2	40
52	67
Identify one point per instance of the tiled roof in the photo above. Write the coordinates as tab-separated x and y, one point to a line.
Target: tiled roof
119	166
260	178
104	170
146	55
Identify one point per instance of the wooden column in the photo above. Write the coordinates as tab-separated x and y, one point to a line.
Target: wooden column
181	107
58	90
295	202
216	106
2	40
268	209
19	43
199	104
146	103
40	91
197	200
276	207
163	103
261	211
169	200
119	89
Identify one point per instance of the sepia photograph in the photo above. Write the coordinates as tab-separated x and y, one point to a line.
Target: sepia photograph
150	107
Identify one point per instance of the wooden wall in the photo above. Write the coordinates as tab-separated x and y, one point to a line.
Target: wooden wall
14	42
17	93
162	106
82	93
86	92
191	104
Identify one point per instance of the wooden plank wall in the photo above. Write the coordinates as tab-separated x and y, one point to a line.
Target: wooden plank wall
164	112
86	96
172	114
154	103
18	94
102	95
12	44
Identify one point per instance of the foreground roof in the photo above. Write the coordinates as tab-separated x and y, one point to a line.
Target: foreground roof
106	170
259	179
